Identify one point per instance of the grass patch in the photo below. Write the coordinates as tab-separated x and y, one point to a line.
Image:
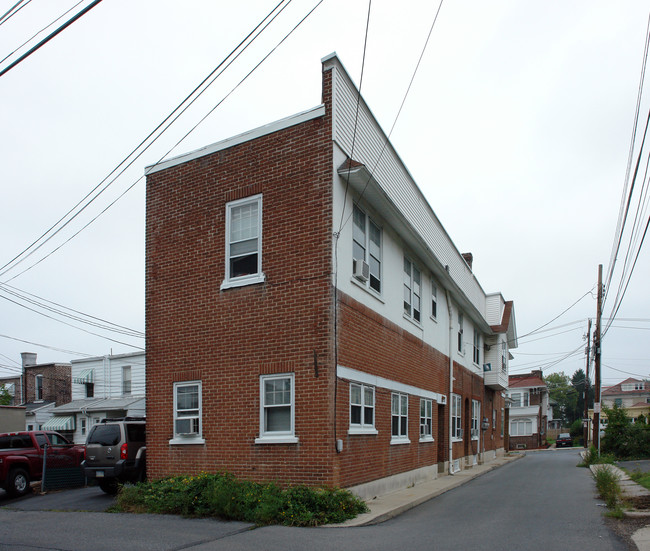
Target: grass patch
225	497
641	478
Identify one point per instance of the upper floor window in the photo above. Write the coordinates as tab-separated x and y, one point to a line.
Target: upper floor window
638	385
434	300
476	357
187	412
243	242
520	399
126	379
461	322
504	356
366	247
39	387
412	290
362	407
90	390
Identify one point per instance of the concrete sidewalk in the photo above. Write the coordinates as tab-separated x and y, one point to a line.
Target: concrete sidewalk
390	505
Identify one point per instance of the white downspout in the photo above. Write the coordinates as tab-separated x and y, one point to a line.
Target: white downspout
451	381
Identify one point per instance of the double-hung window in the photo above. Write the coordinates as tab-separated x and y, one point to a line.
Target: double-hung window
187	413
366	246
461	344
426	419
277	409
434	300
362	409
412	290
126	379
243	242
39	387
476	356
456	418
399	417
520	399
476	419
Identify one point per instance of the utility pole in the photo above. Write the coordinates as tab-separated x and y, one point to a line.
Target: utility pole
585	432
599	306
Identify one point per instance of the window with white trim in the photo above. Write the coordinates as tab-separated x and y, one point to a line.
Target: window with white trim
412	290
126	379
243	242
434	300
426	419
476	356
277	409
456	418
366	245
39	387
519	399
476	419
83	426
399	417
460	343
504	356
187	411
503	419
362	408
521	427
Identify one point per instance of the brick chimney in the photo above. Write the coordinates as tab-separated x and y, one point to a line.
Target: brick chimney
469	258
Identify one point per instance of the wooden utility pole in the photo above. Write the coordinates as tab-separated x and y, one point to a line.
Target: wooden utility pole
585	432
599	306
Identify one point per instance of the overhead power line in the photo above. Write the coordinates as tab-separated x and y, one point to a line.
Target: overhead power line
50	36
13	10
140	149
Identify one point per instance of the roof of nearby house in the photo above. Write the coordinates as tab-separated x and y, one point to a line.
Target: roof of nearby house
33	406
618	388
525	381
97	404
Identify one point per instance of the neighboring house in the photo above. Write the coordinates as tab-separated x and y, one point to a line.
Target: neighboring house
102	387
12	386
626	394
529	410
42	386
309	320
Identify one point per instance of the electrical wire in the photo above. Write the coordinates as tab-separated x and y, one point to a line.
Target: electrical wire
13	11
178	111
39	32
50	37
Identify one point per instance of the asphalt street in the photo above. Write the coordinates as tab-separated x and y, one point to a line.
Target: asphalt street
532	504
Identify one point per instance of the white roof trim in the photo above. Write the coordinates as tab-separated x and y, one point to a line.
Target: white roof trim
374	380
281	124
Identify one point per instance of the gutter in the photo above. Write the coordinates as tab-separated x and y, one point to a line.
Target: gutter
451	382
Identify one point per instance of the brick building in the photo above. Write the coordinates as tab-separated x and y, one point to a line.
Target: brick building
309	320
529	410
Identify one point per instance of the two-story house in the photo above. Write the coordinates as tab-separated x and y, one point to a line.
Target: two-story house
308	318
529	410
102	387
633	395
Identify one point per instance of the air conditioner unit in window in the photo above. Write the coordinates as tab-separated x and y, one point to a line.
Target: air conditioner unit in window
459	433
361	270
474	433
186	427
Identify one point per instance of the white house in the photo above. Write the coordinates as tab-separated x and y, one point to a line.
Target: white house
102	387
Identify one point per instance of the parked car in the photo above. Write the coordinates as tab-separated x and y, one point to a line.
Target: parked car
116	452
564	440
21	457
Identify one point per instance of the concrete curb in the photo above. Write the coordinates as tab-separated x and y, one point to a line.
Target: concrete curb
385	507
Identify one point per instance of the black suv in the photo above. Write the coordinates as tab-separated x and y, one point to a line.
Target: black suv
116	452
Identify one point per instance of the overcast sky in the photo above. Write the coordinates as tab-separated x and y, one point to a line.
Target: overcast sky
517	129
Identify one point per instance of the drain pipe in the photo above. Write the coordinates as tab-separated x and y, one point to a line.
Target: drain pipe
451	381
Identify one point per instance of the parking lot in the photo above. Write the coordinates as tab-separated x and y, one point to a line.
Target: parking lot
77	499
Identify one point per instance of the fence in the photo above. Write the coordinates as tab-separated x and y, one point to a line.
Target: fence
60	472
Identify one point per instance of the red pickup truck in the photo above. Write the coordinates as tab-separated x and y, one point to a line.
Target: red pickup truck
21	457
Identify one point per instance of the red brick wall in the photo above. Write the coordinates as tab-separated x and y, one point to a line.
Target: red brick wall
227	339
57	383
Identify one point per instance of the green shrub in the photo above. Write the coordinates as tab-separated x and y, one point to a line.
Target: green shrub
607	484
223	496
